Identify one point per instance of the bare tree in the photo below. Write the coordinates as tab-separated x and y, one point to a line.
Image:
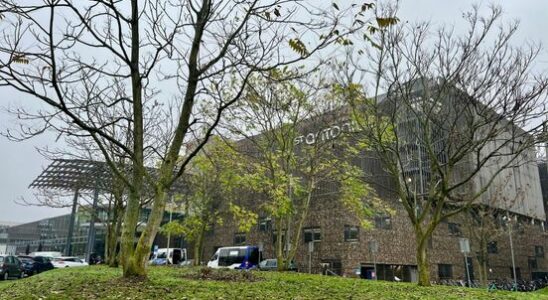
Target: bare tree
460	113
68	55
482	222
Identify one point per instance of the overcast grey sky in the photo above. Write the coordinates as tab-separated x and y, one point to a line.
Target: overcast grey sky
20	163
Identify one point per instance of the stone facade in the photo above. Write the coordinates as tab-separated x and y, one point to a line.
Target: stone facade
396	246
395	256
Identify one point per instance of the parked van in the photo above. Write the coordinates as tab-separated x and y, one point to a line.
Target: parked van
243	257
161	257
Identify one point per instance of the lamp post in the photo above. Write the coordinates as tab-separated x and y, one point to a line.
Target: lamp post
509	224
310	250
465	249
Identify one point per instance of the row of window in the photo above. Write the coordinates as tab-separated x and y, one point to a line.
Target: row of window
314	234
381	222
351	233
492	248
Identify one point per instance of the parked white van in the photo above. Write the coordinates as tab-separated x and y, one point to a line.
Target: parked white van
162	257
243	257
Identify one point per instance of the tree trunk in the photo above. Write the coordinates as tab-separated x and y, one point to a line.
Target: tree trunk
109	231
144	245
279	245
131	217
131	257
110	236
198	246
300	224
113	243
422	261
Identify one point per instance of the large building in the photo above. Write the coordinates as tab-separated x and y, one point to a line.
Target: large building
51	234
344	248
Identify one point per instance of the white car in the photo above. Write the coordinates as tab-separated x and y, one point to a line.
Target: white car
68	261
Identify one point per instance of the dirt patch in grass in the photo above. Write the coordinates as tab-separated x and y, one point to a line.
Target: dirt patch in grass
222	275
131	281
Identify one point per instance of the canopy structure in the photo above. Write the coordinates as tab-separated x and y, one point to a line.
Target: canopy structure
75	174
82	175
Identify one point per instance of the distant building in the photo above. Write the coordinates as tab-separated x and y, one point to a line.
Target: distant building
50	234
345	248
5	248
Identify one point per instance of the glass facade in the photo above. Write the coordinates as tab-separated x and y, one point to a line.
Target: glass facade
51	234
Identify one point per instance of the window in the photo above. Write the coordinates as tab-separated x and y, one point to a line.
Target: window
312	235
229	256
518	273
331	267
239	238
492	247
445	271
454	229
351	233
532	263
265	224
539	251
275	237
383	222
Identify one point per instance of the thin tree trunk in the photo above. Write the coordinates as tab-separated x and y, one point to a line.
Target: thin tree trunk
110	221
299	228
111	236
422	261
198	246
482	265
485	273
113	243
279	246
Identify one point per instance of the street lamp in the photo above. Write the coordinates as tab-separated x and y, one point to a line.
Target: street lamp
465	249
508	221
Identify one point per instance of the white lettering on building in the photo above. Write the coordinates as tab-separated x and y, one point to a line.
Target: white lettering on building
325	134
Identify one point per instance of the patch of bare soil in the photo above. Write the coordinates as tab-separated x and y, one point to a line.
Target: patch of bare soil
223	275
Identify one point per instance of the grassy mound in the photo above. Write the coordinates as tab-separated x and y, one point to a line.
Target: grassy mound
195	283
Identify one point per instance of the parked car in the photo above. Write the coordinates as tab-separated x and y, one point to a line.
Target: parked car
10	266
68	261
242	257
272	265
46	253
35	265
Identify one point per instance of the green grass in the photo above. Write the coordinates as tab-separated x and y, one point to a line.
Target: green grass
174	283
